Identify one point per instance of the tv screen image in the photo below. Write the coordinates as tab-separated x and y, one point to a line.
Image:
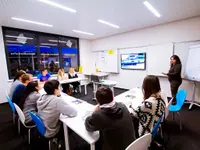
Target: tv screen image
134	61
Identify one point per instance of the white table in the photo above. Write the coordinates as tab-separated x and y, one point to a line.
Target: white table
77	124
75	80
134	97
107	83
100	75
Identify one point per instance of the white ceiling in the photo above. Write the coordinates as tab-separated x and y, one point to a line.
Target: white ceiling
128	14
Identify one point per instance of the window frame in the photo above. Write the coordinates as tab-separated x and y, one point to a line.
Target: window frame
37	34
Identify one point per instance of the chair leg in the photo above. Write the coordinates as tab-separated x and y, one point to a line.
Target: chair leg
173	116
180	120
18	125
49	144
29	136
13	115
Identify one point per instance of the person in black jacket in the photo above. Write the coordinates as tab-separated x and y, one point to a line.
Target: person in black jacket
113	120
174	76
72	75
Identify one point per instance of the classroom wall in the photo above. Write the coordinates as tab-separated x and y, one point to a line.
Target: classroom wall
85	54
185	30
4	74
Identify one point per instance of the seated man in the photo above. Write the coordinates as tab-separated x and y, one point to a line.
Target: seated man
19	90
17	80
44	76
50	106
113	120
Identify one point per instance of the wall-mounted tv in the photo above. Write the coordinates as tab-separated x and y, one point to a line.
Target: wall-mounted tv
133	61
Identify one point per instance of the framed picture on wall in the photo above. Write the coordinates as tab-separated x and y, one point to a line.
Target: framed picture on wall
133	61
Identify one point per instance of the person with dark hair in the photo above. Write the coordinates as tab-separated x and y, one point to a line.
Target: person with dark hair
174	76
113	120
19	90
44	76
28	102
51	105
16	82
152	108
72	74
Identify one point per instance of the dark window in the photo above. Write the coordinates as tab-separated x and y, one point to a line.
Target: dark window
31	51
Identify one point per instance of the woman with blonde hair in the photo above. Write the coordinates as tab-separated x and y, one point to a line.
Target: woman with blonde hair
60	77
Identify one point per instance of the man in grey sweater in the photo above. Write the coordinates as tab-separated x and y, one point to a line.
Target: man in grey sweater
113	120
50	106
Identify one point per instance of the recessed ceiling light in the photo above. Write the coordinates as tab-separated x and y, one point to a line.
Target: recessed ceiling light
82	32
107	23
57	5
151	8
33	22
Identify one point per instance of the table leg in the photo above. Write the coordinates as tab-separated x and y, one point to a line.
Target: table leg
112	88
92	146
66	137
193	96
85	89
80	88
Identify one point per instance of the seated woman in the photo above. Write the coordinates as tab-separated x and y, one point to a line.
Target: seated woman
72	74
28	103
151	109
60	77
50	106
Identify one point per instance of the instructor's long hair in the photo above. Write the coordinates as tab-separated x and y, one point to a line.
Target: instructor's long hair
178	61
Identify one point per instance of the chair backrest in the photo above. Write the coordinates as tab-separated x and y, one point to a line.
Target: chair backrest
180	97
10	103
142	143
20	114
157	125
38	122
167	108
95	78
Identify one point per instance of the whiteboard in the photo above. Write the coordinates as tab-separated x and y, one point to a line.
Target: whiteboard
182	50
107	61
193	63
158	58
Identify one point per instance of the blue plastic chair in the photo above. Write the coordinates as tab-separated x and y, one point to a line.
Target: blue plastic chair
12	108
40	126
155	128
38	122
180	99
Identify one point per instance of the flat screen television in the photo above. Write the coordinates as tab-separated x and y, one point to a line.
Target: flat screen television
133	61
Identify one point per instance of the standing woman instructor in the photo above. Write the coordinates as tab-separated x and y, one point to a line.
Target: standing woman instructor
174	76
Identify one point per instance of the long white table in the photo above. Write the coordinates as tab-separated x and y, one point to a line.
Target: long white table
74	80
77	124
107	83
134	97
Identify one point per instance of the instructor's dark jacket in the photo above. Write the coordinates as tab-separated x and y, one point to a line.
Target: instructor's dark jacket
115	126
175	73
